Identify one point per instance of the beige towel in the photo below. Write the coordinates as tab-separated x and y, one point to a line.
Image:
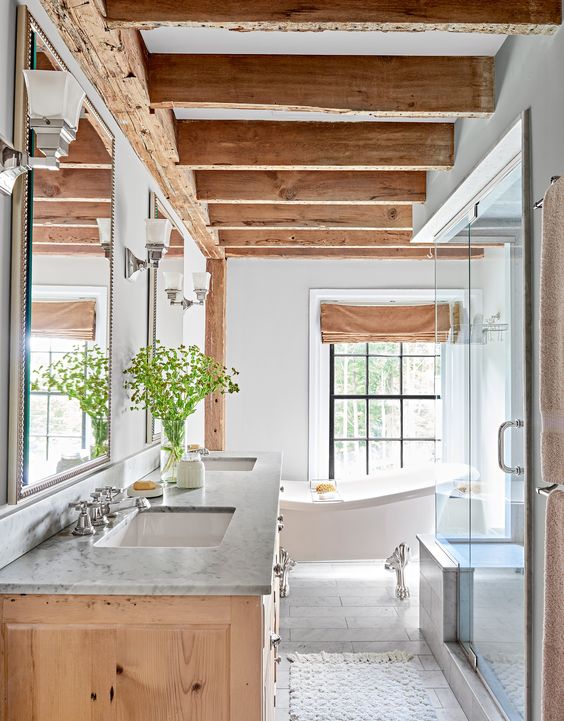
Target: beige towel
553	643
552	335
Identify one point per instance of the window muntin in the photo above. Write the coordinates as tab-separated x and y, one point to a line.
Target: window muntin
383	405
57	426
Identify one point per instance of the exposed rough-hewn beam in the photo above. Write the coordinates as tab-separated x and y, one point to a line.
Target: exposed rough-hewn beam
322	238
248	145
500	16
369	217
215	347
376	85
115	61
413	253
316	186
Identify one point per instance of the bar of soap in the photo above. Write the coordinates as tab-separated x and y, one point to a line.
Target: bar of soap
144	486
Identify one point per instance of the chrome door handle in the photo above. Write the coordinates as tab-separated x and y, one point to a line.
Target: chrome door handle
275	640
517	470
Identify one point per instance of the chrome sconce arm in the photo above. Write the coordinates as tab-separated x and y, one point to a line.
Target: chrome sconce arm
157	231
175	292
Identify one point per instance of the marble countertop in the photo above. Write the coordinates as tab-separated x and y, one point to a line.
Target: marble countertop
241	565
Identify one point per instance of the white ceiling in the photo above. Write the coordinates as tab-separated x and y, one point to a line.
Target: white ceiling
217	40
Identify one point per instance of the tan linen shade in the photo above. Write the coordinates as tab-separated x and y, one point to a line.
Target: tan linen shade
74	319
390	323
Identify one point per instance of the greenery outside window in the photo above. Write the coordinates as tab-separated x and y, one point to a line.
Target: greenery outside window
57	424
384	405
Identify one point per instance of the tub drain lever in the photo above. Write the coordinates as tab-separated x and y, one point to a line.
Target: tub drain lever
397	562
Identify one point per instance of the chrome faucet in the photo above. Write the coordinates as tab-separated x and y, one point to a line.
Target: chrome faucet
84	525
139	502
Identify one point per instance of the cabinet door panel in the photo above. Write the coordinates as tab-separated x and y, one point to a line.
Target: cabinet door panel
60	673
172	674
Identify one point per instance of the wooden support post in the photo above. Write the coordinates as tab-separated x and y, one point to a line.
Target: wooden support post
215	346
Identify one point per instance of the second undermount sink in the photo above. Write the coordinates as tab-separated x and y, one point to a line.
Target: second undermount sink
223	463
170	528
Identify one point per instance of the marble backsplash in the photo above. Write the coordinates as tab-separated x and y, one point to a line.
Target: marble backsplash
25	526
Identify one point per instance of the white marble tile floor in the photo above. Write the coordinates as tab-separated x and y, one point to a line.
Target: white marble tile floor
351	607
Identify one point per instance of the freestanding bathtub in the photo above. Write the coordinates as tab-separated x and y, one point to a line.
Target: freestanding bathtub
374	516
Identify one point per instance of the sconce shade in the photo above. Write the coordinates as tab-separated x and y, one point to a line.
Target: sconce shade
54	95
104	230
201	281
158	232
105	234
173	281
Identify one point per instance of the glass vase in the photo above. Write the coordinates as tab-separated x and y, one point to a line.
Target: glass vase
100	435
172	448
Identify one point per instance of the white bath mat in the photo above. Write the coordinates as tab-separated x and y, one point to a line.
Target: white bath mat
357	687
510	671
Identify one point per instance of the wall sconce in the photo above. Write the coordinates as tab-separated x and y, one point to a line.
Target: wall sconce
174	289
105	234
54	105
158	232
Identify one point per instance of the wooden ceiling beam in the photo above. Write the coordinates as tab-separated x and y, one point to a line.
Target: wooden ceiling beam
62	214
72	185
264	145
88	146
320	238
413	253
115	61
369	217
499	16
362	85
310	187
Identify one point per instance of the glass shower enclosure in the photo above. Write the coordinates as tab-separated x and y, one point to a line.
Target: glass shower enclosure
480	509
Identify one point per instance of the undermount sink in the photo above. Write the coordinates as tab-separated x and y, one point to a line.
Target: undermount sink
170	528
229	464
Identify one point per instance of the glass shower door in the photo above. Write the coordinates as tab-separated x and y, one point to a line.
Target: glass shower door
480	508
495	588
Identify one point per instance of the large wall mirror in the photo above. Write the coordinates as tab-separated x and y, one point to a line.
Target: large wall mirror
62	248
165	320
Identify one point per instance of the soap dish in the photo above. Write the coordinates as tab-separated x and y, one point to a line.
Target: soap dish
152	493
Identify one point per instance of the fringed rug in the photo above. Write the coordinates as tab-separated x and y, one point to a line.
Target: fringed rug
510	671
357	687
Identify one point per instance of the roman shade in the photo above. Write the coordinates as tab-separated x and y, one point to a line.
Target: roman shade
74	319
427	323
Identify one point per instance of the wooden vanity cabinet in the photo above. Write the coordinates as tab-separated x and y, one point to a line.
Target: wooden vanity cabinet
137	658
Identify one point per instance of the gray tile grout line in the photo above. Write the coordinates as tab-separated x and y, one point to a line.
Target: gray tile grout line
452	712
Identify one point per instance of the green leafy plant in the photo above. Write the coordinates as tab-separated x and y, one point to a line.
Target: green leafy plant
82	374
170	382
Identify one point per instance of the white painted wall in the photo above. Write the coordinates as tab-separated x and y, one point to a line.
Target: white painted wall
133	184
527	76
267	341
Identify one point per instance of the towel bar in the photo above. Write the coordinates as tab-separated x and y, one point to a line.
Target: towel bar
547	490
538	204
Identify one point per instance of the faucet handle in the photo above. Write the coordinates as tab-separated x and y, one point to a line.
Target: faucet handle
79	505
109	491
84	525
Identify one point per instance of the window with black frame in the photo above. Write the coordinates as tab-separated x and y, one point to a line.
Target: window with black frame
384	401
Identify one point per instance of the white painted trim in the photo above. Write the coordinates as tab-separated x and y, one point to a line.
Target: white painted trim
478	182
318	426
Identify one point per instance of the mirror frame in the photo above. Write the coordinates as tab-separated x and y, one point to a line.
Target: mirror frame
20	293
152	437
